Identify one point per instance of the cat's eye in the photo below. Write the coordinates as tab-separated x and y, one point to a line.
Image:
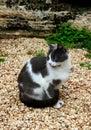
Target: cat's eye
56	58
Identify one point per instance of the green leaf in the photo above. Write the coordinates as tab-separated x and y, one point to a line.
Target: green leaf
71	37
82	64
39	53
2	59
88	55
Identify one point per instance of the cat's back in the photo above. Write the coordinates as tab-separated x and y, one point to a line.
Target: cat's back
36	69
33	67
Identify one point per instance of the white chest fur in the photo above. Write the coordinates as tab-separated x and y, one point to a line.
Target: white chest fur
61	72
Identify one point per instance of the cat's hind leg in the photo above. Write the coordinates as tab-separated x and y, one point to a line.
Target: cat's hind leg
58	104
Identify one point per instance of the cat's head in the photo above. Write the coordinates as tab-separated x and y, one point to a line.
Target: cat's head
57	55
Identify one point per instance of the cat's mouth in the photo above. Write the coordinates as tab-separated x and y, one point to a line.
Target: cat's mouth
54	66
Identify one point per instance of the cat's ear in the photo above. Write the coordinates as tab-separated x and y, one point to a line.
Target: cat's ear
50	46
59	46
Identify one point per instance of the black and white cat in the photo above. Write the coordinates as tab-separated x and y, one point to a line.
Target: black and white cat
40	78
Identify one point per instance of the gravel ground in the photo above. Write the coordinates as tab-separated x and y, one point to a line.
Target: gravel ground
75	114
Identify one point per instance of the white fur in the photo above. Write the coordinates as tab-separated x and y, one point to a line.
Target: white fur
61	73
58	104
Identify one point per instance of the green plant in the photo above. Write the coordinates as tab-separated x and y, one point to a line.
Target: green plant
36	53
71	37
39	53
3	54
88	55
86	64
2	59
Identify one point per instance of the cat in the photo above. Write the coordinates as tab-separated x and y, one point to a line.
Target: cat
40	78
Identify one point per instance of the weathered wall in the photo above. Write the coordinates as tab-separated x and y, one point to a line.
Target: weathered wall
35	18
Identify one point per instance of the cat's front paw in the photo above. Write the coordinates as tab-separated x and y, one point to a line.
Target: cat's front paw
58	104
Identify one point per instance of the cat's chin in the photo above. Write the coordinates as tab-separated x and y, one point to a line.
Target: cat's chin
54	66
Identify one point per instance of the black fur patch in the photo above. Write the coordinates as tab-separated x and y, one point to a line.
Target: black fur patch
56	82
39	65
